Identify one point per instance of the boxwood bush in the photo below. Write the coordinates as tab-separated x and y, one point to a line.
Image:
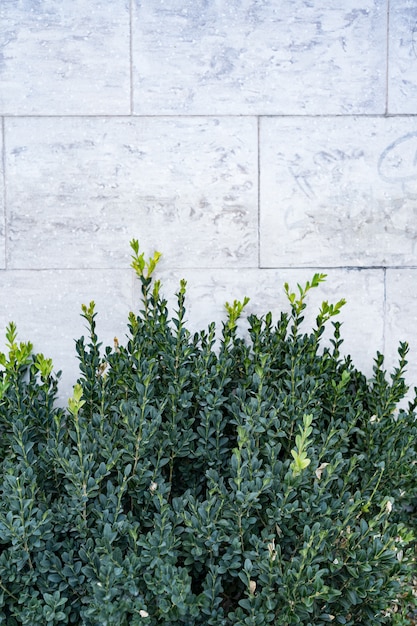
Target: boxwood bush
204	478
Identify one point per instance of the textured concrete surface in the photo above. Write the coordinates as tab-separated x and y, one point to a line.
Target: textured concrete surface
251	142
79	189
402	85
262	58
338	191
2	206
64	58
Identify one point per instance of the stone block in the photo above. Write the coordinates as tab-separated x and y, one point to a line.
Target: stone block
64	58
402	66
2	204
338	191
80	188
266	58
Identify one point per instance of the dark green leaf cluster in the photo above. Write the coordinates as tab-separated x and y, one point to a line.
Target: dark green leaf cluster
204	479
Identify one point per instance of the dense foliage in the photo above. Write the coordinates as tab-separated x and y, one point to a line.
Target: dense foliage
204	478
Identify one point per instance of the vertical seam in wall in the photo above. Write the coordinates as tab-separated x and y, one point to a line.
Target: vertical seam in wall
384	311
259	190
131	54
387	60
3	163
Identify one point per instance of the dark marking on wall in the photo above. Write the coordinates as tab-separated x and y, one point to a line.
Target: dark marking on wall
398	162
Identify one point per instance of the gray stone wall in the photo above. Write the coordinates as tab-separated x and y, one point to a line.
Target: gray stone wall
253	142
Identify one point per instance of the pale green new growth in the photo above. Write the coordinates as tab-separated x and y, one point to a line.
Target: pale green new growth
144	269
19	353
75	403
234	311
44	366
298	304
88	311
299	454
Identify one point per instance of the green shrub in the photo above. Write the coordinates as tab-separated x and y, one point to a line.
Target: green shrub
204	479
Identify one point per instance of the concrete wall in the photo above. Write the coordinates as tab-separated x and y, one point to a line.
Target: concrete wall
253	142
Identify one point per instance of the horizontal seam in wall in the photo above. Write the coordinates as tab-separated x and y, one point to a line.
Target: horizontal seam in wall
359	268
210	115
217	269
